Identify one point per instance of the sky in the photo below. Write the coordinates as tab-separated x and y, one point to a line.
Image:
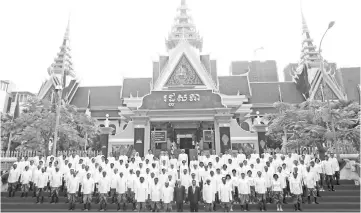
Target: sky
112	39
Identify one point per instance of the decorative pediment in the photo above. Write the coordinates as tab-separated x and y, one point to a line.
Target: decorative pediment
324	92
183	74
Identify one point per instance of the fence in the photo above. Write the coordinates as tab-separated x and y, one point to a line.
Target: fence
30	154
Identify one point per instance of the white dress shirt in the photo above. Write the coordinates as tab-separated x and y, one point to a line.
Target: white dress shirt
260	185
295	186
72	185
56	179
122	186
167	194
225	193
42	180
156	192
26	177
104	185
141	192
208	193
14	175
243	186
87	186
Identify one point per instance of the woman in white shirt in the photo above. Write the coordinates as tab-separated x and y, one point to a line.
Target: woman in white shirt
277	192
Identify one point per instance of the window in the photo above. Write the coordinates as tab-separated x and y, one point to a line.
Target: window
246	147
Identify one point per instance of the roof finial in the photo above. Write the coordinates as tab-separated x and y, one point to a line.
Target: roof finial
66	36
183	2
304	24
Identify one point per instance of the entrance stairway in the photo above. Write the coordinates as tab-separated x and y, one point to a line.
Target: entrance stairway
346	198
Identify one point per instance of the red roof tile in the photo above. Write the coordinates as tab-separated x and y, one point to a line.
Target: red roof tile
136	85
107	96
231	85
351	78
268	92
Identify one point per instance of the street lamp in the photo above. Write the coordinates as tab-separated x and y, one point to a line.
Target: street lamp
330	25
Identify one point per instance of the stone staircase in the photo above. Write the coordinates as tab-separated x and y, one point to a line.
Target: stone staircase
346	198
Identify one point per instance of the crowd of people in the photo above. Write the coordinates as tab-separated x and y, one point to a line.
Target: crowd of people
155	184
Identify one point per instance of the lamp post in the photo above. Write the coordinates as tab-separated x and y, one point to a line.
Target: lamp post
330	25
59	89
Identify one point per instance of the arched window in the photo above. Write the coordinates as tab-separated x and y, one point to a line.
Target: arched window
245	126
114	128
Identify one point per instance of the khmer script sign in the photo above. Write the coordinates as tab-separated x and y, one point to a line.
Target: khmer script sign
182	99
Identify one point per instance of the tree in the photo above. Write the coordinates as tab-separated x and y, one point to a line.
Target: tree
310	123
35	127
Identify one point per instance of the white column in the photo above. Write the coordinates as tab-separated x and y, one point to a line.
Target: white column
146	138
217	137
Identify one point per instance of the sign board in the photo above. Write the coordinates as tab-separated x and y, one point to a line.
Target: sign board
159	136
182	99
207	135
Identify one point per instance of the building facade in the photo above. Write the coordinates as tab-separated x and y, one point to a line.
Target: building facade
185	104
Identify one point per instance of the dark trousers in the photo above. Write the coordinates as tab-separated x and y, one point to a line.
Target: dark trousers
322	176
193	207
337	177
329	181
179	206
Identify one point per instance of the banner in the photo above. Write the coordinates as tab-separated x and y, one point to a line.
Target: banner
104	141
159	136
139	141
225	136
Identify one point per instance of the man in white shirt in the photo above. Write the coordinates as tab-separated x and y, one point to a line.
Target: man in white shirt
25	181
310	183
56	179
329	172
141	194
34	178
336	168
155	195
72	186
225	193
243	191
167	197
41	183
13	180
87	188
296	190
104	187
183	156
260	188
121	189
208	195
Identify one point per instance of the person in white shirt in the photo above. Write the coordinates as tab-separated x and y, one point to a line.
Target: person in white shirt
141	194
13	180
296	191
25	181
208	195
104	188
41	183
72	186
183	156
167	195
225	193
113	185
277	192
87	188
243	191
121	189
310	183
336	168
252	195
56	179
155	195
261	188
329	172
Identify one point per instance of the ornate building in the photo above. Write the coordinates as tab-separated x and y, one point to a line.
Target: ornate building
185	103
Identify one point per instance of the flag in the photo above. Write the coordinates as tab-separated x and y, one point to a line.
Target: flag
87	111
279	94
302	83
17	107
